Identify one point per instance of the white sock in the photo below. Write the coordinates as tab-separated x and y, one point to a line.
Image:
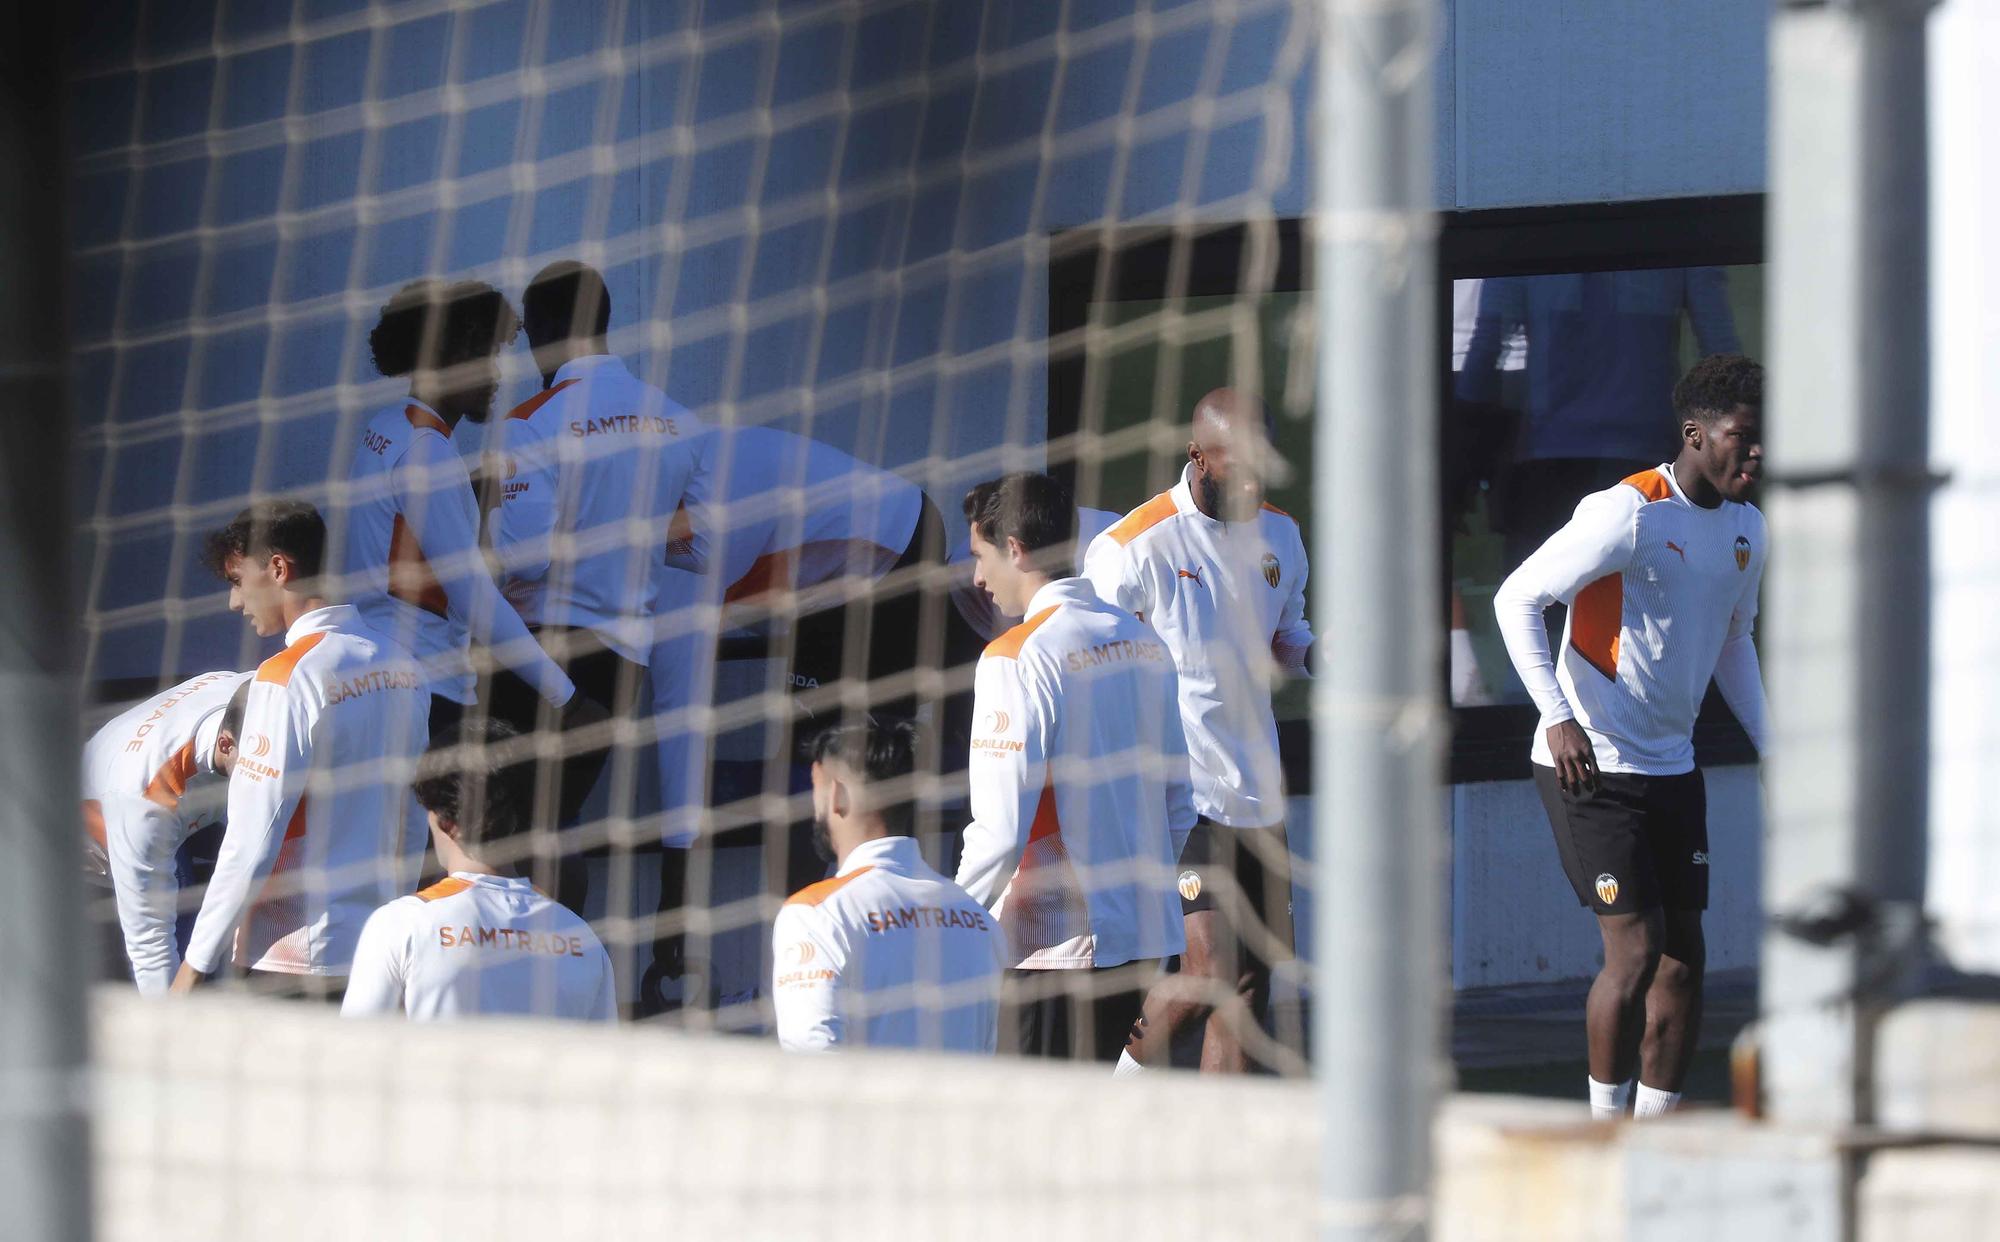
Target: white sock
1608	1100
1126	1065
1653	1102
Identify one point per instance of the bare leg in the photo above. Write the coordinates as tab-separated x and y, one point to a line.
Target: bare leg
1615	1015
1673	1003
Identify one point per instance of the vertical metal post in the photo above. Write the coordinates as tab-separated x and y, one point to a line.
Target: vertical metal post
44	1137
1848	640
1379	987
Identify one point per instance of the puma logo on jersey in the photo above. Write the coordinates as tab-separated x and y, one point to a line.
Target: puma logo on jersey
1676	547
1190	573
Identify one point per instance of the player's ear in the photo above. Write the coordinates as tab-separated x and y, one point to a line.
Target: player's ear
1691	433
839	800
282	568
1017	553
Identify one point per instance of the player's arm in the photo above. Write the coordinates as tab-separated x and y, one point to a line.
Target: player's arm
1597	540
1114	576
261	803
437	501
1292	645
605	1007
1181	814
526	519
1008	769
1738	673
807	983
688	483
140	837
381	966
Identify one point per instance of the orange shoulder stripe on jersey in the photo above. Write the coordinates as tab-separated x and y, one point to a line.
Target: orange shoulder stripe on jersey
1008	646
1271	508
171	781
527	408
93	820
1651	484
1595	620
278	669
420	417
813	894
1143	518
444	888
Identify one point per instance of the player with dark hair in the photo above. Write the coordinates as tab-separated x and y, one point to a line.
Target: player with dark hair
1079	777
316	834
1660	574
415	568
482	940
887	953
1220	576
596	466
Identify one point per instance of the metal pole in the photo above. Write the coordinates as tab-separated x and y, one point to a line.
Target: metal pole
1848	639
44	1136
1379	986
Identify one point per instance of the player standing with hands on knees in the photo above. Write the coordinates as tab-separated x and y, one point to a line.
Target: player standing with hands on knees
1220	577
332	729
1660	574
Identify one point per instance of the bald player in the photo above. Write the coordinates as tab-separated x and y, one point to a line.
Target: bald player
1220	576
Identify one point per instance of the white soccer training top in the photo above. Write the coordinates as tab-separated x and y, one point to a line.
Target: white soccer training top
595	467
414	568
1230	602
474	945
149	782
1662	595
317	834
886	954
1080	795
769	512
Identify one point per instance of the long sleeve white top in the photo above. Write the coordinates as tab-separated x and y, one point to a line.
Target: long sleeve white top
317	834
414	567
1662	596
1081	798
595	468
886	954
1229	601
476	945
149	782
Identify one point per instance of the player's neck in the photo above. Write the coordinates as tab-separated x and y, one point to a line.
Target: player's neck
453	858
1701	493
297	605
552	358
863	833
439	404
1031	586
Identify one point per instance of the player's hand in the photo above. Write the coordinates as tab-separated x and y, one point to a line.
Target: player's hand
186	980
1576	762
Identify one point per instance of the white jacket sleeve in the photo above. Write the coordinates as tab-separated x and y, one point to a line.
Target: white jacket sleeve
140	837
1109	569
435	495
806	983
605	1008
1598	540
1738	673
1181	814
1013	721
261	802
1292	643
381	966
526	519
689	534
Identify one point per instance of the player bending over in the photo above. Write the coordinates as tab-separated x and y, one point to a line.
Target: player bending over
482	940
1660	574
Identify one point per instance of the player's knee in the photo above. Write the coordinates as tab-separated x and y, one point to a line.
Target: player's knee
1677	974
1631	955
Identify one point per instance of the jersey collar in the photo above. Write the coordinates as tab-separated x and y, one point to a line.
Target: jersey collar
421	415
1059	592
331	617
1183	494
898	853
578	368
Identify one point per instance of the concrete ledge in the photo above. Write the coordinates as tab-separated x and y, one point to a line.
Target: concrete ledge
1937	1068
1929	1194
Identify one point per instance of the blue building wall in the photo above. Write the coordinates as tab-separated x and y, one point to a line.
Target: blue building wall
818	213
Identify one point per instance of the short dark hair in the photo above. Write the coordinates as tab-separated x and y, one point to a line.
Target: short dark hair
292	528
437	324
479	775
1715	386
1034	508
239	705
882	751
564	298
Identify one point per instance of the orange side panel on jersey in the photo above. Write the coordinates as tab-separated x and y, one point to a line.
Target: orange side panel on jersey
420	417
1143	518
411	578
171	781
769	572
444	888
1009	645
1651	484
296	827
278	669
813	894
1046	824
1595	620
527	408
93	821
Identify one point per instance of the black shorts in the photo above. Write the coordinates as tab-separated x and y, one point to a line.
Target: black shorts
1073	1015
1635	843
1246	874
